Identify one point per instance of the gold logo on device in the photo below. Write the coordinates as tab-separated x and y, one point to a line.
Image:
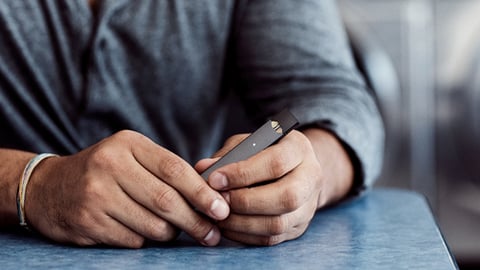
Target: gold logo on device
276	126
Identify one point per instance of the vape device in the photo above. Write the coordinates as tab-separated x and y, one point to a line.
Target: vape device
272	131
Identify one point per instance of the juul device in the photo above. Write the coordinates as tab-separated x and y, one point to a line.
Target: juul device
272	131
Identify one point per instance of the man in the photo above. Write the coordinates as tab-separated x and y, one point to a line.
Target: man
130	94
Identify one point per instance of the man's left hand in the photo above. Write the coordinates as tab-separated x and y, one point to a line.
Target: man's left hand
274	194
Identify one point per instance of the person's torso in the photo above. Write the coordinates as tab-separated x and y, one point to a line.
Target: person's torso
70	76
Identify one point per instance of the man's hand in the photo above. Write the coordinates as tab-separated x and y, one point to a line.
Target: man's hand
121	191
274	194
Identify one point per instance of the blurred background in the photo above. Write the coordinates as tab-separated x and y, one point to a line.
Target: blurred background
422	58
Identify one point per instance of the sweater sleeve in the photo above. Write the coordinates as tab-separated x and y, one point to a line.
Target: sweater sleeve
295	54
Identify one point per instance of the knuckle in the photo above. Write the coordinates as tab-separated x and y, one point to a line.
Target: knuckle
278	225
127	135
305	144
168	232
297	135
279	165
173	168
302	142
166	201
290	200
134	241
153	230
199	228
202	194
273	240
242	173
93	190
270	240
107	154
160	231
102	158
240	201
201	188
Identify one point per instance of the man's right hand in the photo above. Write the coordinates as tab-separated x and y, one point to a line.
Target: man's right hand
121	191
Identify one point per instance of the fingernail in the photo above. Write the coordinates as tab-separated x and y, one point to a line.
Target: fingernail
218	180
219	209
212	238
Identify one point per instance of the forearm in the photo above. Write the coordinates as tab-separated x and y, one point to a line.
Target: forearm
12	165
337	173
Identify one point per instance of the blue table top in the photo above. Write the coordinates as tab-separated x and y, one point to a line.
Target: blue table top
384	229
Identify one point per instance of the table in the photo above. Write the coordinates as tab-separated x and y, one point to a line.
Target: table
383	229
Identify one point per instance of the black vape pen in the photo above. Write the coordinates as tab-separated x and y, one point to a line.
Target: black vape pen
272	131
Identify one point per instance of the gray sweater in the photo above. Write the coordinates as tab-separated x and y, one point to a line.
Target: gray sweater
71	75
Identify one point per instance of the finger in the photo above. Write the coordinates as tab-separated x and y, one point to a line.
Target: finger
264	240
177	173
103	229
276	198
271	163
116	234
269	225
140	220
203	164
230	143
167	203
258	225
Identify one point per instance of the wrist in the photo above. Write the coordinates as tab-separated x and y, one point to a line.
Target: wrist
337	169
23	185
13	162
